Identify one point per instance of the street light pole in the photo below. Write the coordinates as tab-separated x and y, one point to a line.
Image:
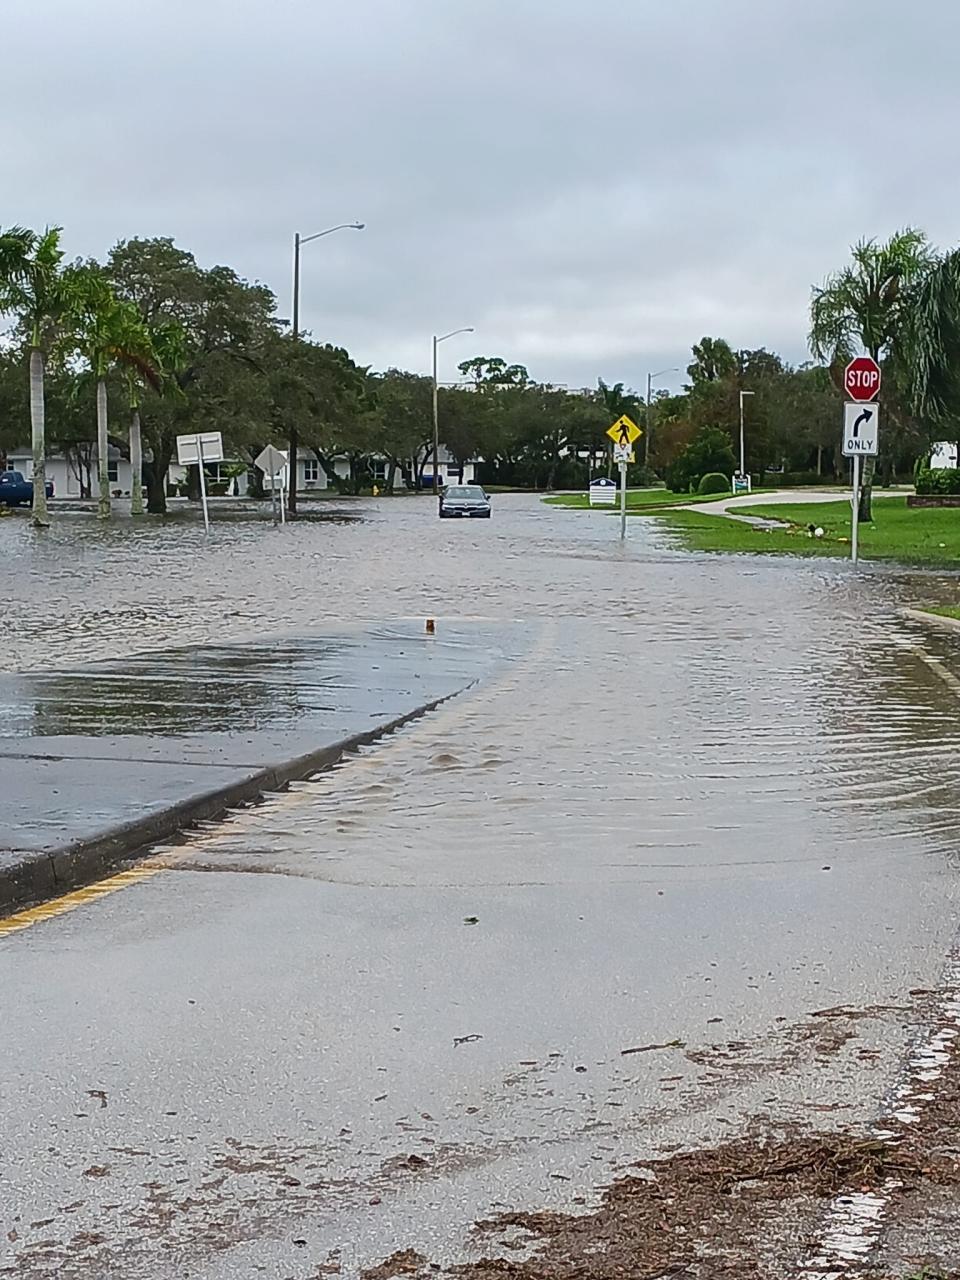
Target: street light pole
743	470
649	422
294	437
436	414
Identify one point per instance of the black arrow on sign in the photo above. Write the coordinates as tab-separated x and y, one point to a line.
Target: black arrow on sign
865	417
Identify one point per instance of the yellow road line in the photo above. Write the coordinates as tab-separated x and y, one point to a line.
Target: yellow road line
79	897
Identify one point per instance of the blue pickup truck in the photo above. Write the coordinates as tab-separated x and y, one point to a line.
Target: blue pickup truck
17	492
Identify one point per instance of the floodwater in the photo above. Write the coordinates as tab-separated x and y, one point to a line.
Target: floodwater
708	797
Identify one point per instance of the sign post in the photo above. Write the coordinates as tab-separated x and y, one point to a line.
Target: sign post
273	463
623	433
195	450
861	421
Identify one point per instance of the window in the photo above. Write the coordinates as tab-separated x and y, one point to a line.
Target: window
113	470
378	469
311	471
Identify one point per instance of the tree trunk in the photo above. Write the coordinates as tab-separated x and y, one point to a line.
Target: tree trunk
391	477
37	424
136	465
293	472
155	473
103	452
819	459
866	490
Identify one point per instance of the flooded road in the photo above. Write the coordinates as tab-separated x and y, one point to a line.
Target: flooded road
685	869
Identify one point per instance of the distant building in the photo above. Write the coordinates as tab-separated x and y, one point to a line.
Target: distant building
70	473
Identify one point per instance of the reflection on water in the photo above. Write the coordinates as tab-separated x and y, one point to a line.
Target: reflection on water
210	689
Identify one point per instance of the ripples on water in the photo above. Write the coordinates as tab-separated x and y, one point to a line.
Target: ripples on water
675	712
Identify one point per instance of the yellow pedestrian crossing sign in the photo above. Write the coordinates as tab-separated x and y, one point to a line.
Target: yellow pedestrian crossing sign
624	431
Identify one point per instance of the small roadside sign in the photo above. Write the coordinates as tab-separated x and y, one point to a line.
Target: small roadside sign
270	460
273	463
201	445
861	418
860	435
193	451
603	493
623	453
624	431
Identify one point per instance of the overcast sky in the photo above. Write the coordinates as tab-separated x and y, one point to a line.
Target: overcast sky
593	186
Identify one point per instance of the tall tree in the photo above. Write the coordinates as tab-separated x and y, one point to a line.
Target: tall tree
867	305
713	359
32	287
224	320
108	334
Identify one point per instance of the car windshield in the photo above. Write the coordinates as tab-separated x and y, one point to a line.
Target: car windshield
464	491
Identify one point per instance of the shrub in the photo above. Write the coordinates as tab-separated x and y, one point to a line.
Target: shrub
709	451
938	480
713	482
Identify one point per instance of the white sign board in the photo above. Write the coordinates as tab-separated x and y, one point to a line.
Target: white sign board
271	461
623	453
603	493
189	448
860	434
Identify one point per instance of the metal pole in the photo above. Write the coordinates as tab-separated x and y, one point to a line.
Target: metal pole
855	514
623	501
742	464
294	435
203	483
436	424
283	514
275	476
646	434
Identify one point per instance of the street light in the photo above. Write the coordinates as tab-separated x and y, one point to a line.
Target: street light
436	417
298	241
646	436
743	470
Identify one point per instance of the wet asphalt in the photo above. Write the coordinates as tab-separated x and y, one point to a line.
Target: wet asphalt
706	799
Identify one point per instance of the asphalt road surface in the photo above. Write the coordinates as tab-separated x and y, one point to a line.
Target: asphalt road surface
680	877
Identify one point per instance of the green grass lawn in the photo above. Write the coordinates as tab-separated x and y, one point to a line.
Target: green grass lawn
944	610
920	535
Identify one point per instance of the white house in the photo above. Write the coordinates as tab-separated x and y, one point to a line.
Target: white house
312	477
70	473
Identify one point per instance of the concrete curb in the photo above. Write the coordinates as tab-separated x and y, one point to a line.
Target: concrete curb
36	876
937	619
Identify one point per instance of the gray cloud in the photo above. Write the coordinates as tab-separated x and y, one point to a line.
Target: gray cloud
592	186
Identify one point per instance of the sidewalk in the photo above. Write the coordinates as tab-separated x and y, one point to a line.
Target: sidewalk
98	762
730	507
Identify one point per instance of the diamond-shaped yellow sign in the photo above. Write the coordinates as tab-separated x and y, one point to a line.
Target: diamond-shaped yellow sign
624	431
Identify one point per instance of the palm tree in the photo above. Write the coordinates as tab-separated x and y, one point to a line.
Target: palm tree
616	400
109	334
933	341
868	305
713	359
33	288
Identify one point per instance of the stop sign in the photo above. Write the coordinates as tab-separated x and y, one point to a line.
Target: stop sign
861	378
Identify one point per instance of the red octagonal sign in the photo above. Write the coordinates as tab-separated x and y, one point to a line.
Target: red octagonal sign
861	378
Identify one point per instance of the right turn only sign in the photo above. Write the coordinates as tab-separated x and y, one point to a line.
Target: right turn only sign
860	422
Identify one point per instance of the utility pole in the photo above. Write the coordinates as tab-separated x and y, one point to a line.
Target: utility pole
295	335
436	415
294	437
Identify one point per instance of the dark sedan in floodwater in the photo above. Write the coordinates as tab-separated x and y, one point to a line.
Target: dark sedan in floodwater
464	500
